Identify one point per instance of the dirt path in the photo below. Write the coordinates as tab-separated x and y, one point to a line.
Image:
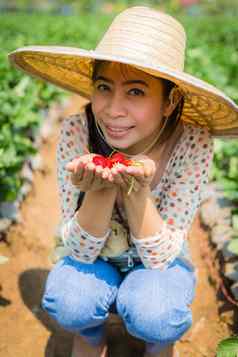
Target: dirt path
25	329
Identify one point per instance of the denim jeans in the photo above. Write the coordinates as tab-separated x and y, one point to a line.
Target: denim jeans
153	304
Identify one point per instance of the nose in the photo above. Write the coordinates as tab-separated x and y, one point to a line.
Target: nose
116	105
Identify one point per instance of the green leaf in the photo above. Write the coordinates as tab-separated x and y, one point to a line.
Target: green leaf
228	347
235	222
233	246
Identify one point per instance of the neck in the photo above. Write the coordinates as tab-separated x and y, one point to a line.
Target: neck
142	149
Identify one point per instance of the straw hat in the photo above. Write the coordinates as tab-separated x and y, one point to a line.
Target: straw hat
151	41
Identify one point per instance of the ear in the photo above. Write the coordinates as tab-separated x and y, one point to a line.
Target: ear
174	98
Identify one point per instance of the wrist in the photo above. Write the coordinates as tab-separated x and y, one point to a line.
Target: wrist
108	191
95	213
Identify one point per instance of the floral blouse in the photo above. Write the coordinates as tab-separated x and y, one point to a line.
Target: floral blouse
177	197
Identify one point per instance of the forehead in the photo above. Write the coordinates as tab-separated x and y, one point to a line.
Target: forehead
123	71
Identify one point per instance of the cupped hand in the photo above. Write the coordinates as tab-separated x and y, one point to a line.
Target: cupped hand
136	176
86	176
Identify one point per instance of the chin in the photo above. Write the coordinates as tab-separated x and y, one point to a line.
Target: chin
119	145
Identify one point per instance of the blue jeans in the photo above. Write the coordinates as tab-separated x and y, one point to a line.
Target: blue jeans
153	304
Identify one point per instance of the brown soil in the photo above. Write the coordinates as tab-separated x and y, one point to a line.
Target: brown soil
26	331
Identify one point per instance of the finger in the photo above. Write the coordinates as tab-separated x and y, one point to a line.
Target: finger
91	166
119	180
138	181
105	173
135	170
78	165
147	171
71	166
115	172
85	160
110	176
137	173
117	168
126	179
89	173
99	170
76	178
98	175
150	168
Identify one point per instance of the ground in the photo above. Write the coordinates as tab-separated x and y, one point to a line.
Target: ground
26	331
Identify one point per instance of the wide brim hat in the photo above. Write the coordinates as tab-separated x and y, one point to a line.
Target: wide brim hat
149	40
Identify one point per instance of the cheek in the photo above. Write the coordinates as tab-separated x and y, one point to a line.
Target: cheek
97	104
147	119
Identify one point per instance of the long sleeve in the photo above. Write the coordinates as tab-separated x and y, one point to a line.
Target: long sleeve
73	141
178	197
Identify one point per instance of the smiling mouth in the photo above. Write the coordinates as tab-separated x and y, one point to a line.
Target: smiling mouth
118	128
118	131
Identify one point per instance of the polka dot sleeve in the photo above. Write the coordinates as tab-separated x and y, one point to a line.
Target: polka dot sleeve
73	141
178	197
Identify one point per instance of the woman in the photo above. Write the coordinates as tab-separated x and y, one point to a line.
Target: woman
125	219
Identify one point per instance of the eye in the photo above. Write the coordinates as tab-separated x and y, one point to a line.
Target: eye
102	87
136	92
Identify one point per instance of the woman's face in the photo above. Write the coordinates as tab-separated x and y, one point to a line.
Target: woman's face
128	105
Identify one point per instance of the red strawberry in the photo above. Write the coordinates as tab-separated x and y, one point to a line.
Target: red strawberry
109	163
118	158
100	160
127	162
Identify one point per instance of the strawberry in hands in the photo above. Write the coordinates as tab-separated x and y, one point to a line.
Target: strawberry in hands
129	174
93	172
116	163
117	158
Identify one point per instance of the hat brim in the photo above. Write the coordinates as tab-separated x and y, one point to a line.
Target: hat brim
71	69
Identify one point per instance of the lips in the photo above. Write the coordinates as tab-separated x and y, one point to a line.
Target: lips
118	128
116	132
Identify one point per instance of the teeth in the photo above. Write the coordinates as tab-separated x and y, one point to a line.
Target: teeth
118	130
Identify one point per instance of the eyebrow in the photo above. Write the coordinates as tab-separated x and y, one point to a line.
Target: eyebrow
131	81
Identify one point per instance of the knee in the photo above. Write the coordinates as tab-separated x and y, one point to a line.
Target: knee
164	328
75	312
152	325
77	300
149	315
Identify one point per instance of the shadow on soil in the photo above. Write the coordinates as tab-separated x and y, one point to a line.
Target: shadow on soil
31	285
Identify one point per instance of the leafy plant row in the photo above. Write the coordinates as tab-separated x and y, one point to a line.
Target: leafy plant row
214	57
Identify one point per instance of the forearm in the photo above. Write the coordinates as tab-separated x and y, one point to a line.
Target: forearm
157	243
95	213
143	217
86	233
